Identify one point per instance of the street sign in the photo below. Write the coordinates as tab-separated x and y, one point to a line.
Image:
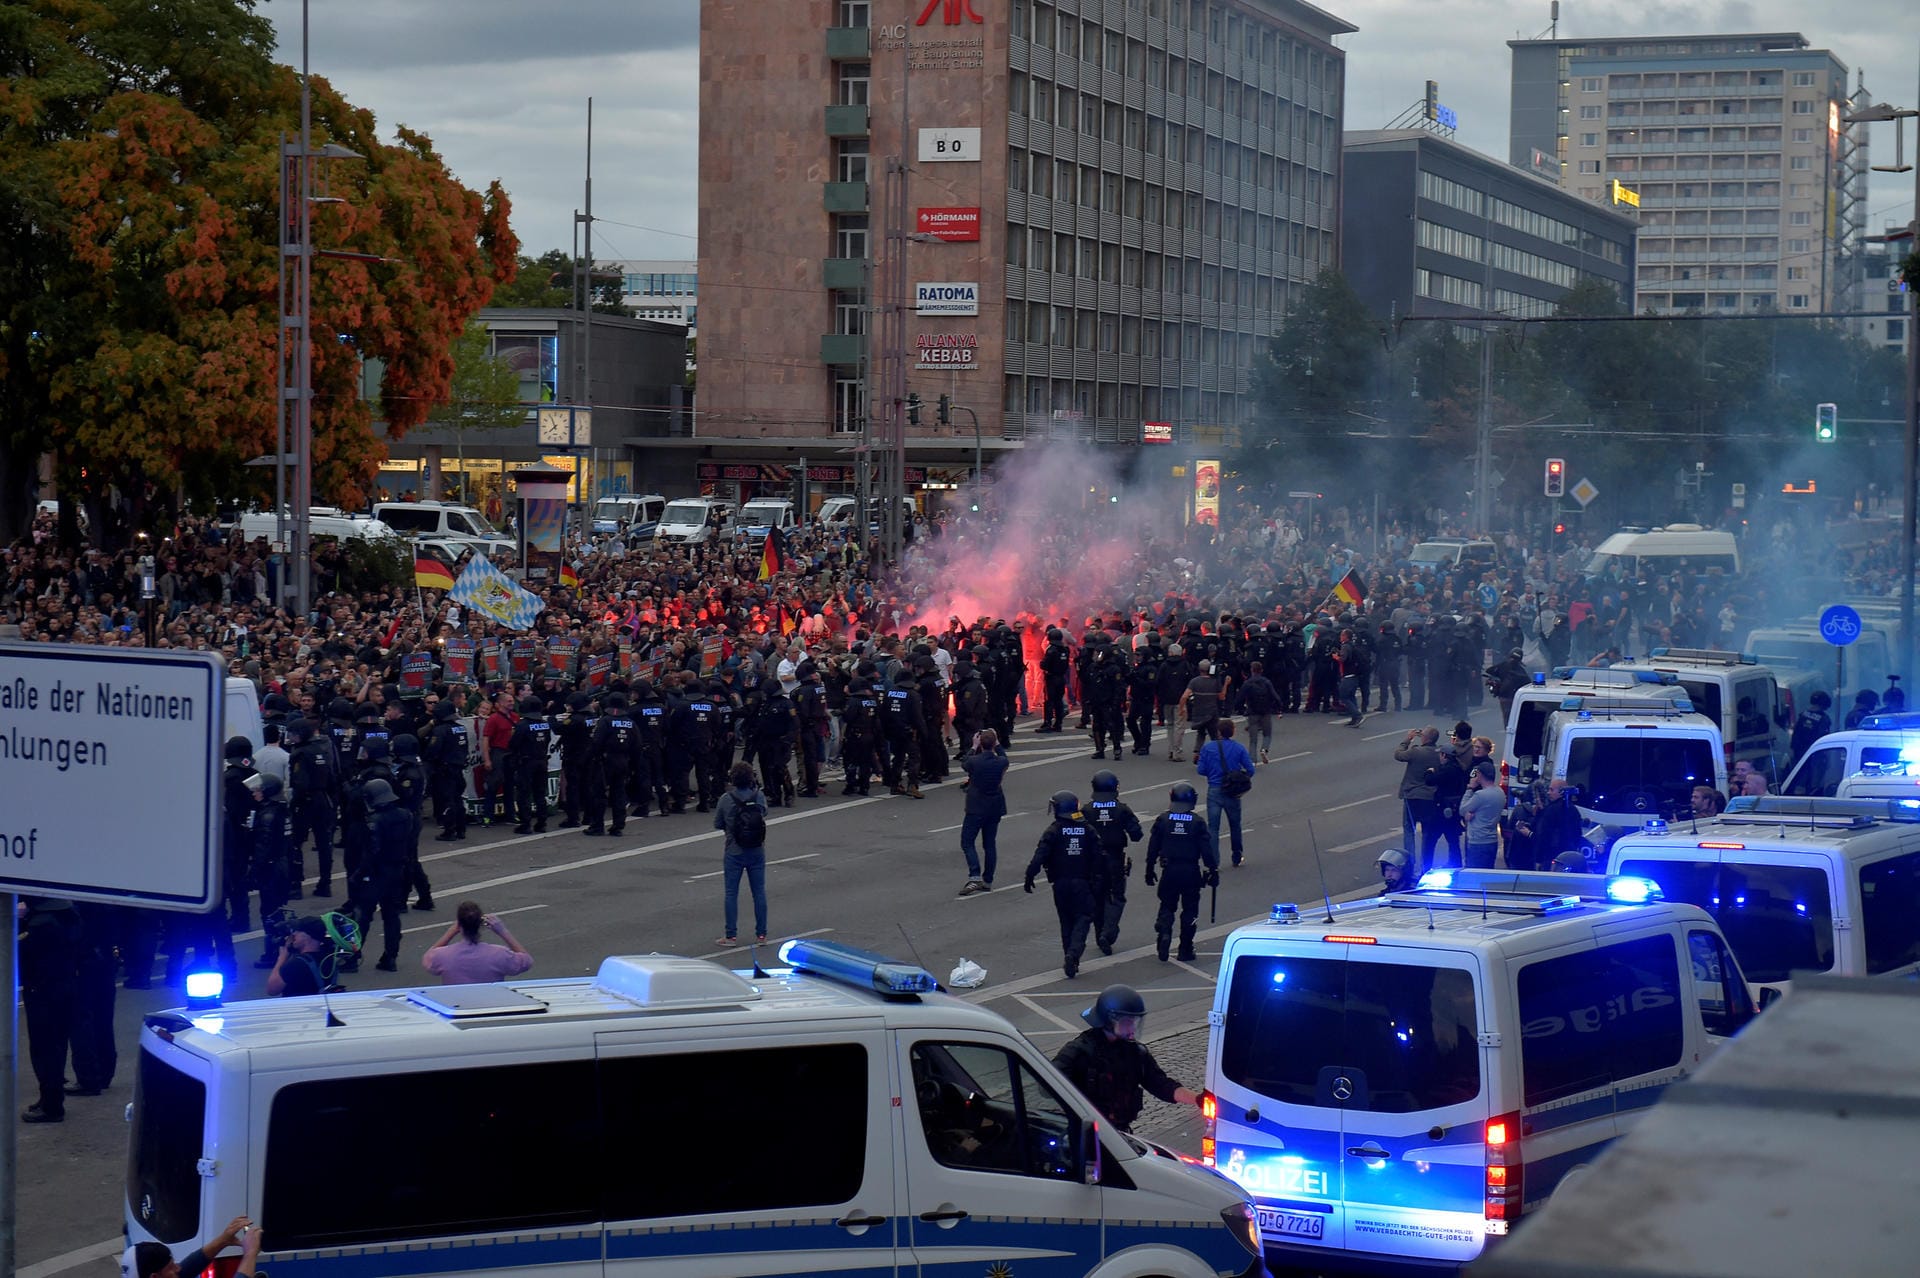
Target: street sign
1839	625
110	763
1739	496
1584	492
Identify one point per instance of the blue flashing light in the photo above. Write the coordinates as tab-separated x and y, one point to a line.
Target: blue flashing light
1654	825
1910	753
1799	907
205	988
1628	889
1284	912
1586	716
1539	677
1440	879
1654	676
1280	978
850	965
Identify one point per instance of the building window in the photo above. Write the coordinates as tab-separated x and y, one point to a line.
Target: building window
1796	272
1896	330
850	235
1803	108
1803	135
849	313
1590	84
1800	162
1589	166
854	77
1799	246
1802	79
1589	139
855	13
1800	219
1797	301
847	400
850	156
1590	112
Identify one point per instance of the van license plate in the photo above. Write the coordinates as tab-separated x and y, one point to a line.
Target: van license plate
1287	1222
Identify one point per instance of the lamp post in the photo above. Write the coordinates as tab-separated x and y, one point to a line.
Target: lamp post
1910	474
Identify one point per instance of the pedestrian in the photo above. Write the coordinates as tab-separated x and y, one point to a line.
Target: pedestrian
153	1260
50	938
1260	700
1449	787
95	1056
1076	868
1480	809
1558	827
742	815
986	768
1200	705
496	736
460	957
1228	769
1115	825
1109	1063
307	961
1418	750
1190	855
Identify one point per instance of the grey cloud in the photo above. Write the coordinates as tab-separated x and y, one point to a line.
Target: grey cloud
399	34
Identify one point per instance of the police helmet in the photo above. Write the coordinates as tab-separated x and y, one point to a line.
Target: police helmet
579	701
380	795
299	730
340	708
1064	804
445	710
903	676
1114	1002
1053	634
406	746
1105	783
529	705
717	687
1183	797
239	748
271	787
1820	700
374	749
1396	858
1571	862
616	701
642	689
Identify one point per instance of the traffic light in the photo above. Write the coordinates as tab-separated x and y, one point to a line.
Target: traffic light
1559	530
943	411
913	408
1826	423
1556	477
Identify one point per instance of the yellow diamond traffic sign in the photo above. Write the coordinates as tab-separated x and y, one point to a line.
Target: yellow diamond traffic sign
1584	492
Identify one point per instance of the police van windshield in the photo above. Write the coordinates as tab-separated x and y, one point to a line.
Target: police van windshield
614	507
761	512
1409	1033
685	512
1778	919
1643	774
1432	554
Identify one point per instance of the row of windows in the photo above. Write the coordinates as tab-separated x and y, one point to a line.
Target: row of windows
1728	133
1769	79
1446	288
1444	239
1090	187
1039	249
1451	193
1633	109
1225	29
1522	305
1065	327
1112	401
1051	103
1711	244
1541	226
1151	135
1520	262
662	284
1689	163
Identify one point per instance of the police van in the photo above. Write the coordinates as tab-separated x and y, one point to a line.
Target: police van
1881	741
1567	688
1631	758
1748	700
665	1116
1401	1078
1797	885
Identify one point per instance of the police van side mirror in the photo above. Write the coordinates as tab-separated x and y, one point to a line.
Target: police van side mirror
1769	995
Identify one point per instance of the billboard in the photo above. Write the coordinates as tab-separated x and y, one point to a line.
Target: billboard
955	352
1206	493
955	225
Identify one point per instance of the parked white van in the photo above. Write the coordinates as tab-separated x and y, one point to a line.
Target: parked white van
322	521
1397	1080
1749	701
763	513
1797	885
634	515
692	520
1840	672
665	1116
1634	552
1632	759
438	519
1568	688
1881	741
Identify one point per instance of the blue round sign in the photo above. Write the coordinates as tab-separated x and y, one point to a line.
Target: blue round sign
1489	597
1840	625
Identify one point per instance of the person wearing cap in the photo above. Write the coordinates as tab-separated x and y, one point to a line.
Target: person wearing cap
1506	678
272	851
153	1260
301	965
237	840
1480	809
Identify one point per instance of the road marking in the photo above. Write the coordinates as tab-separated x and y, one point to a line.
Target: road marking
948	829
1140	789
1188	967
1043	1013
714	874
72	1259
428	927
1372	798
1285	757
1381	736
742	949
1361	843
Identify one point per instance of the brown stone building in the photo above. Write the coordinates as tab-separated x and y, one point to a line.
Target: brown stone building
1108	205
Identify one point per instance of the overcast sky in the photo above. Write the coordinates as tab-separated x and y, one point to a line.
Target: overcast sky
501	86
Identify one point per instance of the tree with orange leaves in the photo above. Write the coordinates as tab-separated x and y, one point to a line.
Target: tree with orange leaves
139	194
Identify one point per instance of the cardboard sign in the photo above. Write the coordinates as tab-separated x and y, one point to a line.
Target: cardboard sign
523	656
490	658
458	657
416	672
599	671
562	651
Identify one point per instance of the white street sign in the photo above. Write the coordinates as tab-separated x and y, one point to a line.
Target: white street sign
110	767
1584	492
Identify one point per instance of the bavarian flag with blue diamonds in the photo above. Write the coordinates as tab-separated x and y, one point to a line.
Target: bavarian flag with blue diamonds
491	593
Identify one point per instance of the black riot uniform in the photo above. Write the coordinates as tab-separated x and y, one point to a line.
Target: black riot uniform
1010	667
859	726
613	765
902	725
650	721
378	880
1071	855
1115	825
1111	1071
410	784
236	842
1182	847
1143	679
1056	663
273	856
1105	693
771	735
1413	649
574	727
969	704
527	752
697	724
447	748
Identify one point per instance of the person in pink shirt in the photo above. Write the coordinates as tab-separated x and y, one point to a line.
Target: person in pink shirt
460	957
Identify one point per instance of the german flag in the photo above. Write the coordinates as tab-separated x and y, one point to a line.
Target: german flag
1349	590
568	577
773	556
430	574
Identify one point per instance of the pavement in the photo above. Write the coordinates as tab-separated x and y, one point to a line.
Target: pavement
880	872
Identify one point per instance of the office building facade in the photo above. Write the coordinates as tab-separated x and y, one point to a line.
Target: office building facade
1432	227
1749	189
1109	204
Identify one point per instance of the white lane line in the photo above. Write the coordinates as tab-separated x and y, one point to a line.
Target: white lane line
1141	789
1382	736
1361	843
1042	1012
1285	757
740	950
71	1259
948	829
714	874
1372	798
1188	967
444	924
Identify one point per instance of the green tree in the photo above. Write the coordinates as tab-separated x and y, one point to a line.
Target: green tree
139	317
1324	366
483	394
542	282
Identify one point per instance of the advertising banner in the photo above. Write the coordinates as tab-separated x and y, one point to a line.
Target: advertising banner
546	520
955	224
957	352
946	298
1206	493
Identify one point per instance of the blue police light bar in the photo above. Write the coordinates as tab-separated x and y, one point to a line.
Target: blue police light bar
1892	721
1628	889
205	988
1436	879
849	965
1539	677
1653	825
1284	912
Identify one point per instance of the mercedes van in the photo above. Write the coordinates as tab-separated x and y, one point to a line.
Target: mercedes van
632	515
689	521
322	521
763	513
1881	741
1567	688
1632	759
439	519
1632	553
1398	1080
1797	885
665	1116
1749	701
1840	672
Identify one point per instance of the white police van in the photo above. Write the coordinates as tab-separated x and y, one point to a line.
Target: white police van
1881	741
1796	884
1566	689
1631	758
666	1116
1396	1080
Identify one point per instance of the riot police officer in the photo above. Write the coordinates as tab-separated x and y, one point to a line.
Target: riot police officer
969	703
1115	825
574	727
771	734
527	752
314	770
273	851
1105	692
650	720
859	726
614	759
410	783
1076	866
446	753
1143	680
901	724
1056	662
1182	844
236	843
1110	1065
378	880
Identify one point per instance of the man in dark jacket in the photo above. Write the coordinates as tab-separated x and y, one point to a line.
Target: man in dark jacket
986	767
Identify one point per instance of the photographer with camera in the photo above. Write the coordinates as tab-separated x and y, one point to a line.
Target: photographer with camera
153	1260
301	967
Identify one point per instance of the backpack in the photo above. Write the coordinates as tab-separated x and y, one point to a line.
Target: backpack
749	826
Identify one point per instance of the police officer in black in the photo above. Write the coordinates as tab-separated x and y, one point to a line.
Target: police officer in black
1056	663
772	732
1075	864
969	703
446	755
1143	679
1110	1065
273	855
236	843
650	720
410	783
1116	826
1291	667
372	764
379	881
697	725
574	727
527	751
314	770
810	707
901	724
1106	695
1010	667
1386	665
1413	649
1182	845
613	763
859	726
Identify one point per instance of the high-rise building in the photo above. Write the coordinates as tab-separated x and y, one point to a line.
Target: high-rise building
1750	190
1108	204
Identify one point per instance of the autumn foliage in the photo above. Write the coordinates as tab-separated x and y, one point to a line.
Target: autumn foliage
139	194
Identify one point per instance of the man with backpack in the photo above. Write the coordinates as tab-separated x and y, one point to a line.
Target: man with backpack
742	816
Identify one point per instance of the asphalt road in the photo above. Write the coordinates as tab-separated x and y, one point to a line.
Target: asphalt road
880	872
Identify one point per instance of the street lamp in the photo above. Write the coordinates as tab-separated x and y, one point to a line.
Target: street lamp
1878	113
